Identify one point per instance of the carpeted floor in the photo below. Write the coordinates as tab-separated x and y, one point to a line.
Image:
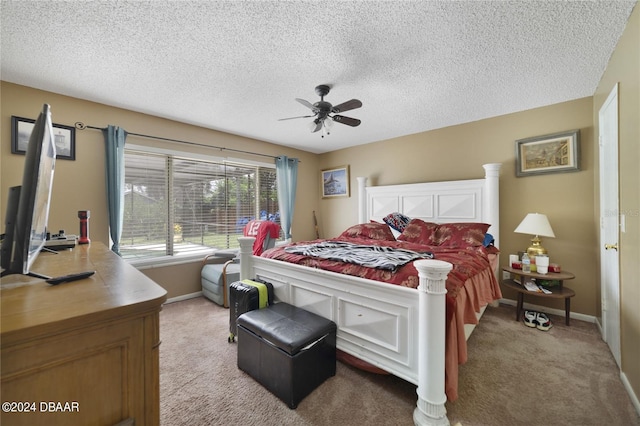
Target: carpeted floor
515	376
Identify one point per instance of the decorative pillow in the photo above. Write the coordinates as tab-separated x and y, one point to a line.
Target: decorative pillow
461	234
419	231
397	221
372	231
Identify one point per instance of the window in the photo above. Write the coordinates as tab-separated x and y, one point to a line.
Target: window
179	206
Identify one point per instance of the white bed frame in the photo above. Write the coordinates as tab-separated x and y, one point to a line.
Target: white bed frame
387	325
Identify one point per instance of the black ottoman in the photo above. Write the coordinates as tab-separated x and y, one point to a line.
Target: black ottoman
287	350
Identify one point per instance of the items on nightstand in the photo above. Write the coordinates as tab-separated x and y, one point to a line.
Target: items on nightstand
542	264
542	261
547	283
554	267
532	286
538	225
526	263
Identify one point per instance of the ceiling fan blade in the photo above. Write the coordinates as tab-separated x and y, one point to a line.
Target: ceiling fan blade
307	104
353	122
300	116
346	106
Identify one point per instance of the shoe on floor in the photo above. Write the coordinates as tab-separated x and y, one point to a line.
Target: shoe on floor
529	318
542	322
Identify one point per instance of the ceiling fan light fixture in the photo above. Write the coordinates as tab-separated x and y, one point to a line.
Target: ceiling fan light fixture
315	125
326	127
323	110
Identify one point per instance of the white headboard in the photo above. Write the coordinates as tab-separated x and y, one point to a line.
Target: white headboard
475	200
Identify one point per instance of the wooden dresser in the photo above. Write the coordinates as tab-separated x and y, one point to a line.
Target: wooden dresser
83	352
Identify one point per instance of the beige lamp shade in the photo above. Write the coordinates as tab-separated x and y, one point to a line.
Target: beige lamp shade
535	224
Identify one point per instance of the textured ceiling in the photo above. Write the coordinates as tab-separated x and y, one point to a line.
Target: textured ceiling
237	66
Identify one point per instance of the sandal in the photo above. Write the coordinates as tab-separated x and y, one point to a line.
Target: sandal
529	318
543	322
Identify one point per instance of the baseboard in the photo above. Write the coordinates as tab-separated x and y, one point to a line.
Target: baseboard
559	312
632	395
599	325
184	297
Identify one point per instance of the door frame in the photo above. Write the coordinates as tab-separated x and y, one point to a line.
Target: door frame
609	219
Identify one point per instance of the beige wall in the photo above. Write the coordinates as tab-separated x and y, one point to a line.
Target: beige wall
459	152
624	68
80	184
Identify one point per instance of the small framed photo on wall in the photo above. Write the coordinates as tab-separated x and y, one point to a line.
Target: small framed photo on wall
556	153
64	138
335	182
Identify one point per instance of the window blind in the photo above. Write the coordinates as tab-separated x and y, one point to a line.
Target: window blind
176	206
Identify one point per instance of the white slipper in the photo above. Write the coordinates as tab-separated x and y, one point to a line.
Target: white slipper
543	322
529	318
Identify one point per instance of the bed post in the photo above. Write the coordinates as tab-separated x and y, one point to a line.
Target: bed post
246	251
491	206
362	199
430	408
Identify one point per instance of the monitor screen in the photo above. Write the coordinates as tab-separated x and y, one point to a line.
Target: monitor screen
26	222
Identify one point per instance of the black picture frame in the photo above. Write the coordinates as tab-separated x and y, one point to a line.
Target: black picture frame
65	138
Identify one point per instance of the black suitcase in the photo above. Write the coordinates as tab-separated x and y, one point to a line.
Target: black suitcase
245	296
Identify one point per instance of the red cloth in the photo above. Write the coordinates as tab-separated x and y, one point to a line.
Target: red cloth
261	229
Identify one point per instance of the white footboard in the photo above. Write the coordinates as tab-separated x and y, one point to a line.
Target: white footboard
386	325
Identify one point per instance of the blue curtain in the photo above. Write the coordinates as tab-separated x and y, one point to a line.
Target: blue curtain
286	179
114	138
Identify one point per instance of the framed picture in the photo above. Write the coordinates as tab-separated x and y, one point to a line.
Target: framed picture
64	138
556	153
335	182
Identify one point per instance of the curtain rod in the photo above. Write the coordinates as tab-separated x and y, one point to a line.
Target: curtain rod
81	126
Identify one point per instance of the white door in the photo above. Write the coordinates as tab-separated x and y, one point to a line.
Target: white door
610	223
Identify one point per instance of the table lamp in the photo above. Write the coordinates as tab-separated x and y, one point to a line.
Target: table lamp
535	224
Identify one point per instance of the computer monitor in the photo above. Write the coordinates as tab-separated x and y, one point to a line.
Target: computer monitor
28	205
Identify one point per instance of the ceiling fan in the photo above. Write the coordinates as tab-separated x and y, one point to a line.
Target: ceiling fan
323	110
